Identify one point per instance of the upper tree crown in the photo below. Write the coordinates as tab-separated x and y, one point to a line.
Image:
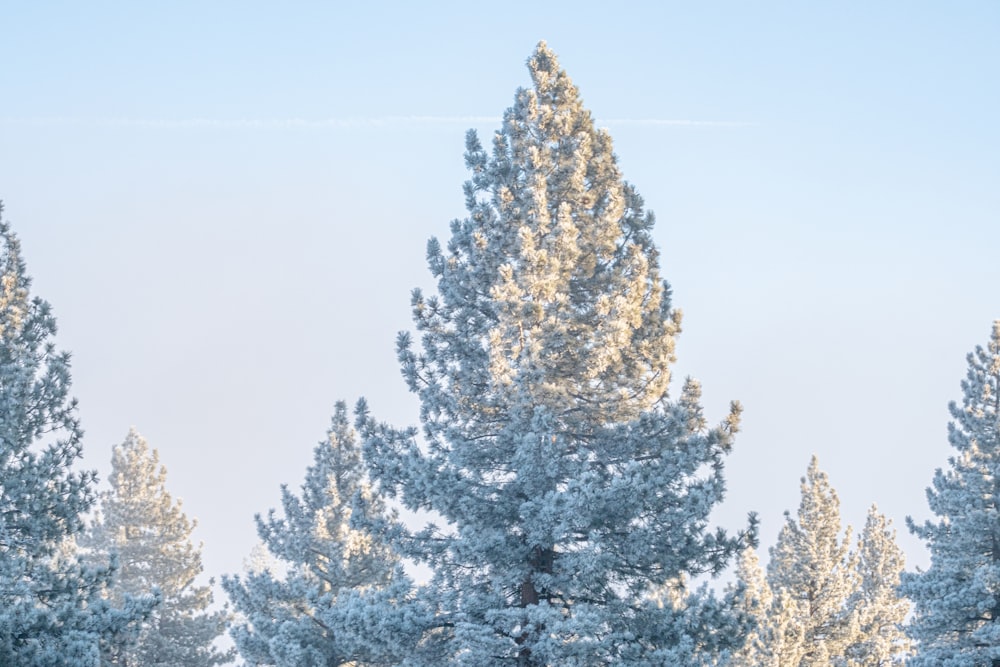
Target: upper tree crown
553	274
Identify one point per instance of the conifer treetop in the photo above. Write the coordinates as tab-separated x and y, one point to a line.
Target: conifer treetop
815	571
146	524
881	608
571	485
53	607
145	529
312	595
554	271
956	604
35	405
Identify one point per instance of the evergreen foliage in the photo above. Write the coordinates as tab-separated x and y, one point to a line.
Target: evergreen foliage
822	604
52	606
575	492
778	635
956	616
814	567
753	597
878	603
144	527
307	601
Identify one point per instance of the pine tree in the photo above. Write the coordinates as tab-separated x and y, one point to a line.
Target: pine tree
309	598
753	597
786	630
150	535
880	608
813	566
956	615
572	487
52	609
778	635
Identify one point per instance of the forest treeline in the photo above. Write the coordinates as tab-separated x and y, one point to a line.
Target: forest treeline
572	490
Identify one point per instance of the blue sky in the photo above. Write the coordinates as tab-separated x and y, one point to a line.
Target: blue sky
227	206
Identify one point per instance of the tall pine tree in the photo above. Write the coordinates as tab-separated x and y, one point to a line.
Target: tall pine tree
311	599
573	489
52	606
150	535
956	615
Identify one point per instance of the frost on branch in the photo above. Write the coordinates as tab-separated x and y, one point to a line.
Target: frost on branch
53	606
956	615
315	598
145	529
573	489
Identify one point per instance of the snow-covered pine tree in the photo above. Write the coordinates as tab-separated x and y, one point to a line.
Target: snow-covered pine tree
52	609
573	488
956	601
881	609
813	566
778	635
144	527
753	597
312	599
790	618
785	631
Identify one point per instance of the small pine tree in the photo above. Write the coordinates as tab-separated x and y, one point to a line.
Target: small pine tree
787	632
802	612
309	595
881	609
753	597
813	569
956	614
778	635
143	526
572	486
52	606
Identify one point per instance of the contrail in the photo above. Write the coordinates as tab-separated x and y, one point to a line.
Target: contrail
674	122
245	123
325	123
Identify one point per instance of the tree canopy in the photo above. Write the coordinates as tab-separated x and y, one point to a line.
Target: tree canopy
53	609
144	528
956	614
574	491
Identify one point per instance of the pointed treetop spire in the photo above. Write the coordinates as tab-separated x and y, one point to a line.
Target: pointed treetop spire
571	483
964	541
544	67
52	607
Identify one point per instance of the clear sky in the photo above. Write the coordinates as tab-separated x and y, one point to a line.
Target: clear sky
227	205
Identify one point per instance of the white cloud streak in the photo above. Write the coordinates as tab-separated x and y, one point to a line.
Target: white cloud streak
248	123
653	122
326	123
